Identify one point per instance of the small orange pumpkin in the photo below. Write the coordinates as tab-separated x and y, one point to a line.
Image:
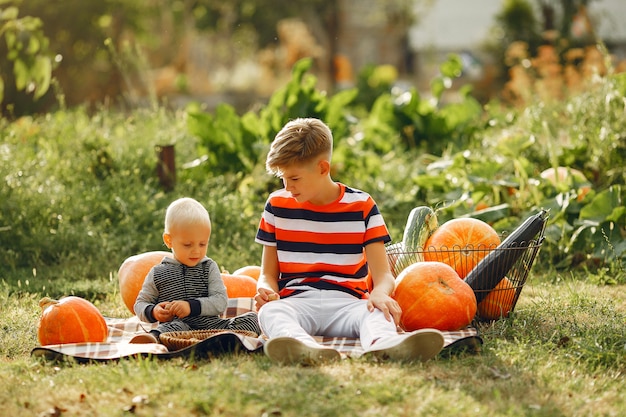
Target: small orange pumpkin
432	295
132	274
481	206
461	243
239	285
70	320
253	271
499	302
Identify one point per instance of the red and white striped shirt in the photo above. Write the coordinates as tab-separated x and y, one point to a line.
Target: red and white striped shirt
322	247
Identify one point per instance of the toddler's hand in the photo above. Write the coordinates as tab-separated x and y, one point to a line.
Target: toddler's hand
161	312
179	308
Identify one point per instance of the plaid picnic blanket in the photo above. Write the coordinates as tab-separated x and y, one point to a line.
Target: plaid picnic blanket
121	330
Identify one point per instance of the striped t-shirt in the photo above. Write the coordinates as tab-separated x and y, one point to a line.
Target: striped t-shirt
322	247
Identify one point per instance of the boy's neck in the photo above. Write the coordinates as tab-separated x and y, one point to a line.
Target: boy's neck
331	193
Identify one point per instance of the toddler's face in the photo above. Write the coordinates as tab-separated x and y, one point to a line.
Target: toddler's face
188	244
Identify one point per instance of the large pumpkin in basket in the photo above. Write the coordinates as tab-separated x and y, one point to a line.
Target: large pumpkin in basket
132	274
461	243
70	320
432	295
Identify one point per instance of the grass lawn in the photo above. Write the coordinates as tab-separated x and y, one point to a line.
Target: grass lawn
562	353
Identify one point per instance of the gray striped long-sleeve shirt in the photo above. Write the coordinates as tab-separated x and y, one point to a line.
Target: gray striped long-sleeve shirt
200	285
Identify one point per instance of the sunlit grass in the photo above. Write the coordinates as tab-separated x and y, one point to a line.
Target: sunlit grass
561	353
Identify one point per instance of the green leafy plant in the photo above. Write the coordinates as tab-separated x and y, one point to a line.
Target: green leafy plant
79	185
232	143
29	62
428	123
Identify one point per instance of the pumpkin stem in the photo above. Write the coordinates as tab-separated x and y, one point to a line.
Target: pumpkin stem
445	287
46	301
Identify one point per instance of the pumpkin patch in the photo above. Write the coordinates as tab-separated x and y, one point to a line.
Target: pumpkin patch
461	243
70	320
432	295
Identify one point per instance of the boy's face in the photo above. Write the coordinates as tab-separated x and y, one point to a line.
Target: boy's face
305	181
188	244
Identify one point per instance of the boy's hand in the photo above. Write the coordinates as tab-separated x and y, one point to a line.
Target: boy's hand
161	312
264	296
179	308
386	304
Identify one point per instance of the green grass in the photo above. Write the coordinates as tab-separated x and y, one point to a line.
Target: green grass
562	353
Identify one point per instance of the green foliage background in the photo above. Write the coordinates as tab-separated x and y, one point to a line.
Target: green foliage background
80	193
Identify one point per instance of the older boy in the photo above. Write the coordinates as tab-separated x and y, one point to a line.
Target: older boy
321	241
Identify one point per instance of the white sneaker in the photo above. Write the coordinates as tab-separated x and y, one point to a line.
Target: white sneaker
290	351
420	345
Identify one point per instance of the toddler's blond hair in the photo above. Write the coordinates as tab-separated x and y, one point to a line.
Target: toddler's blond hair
186	212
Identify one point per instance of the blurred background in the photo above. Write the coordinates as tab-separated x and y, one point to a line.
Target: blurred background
136	53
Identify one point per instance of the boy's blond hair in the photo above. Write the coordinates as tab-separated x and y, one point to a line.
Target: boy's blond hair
299	141
186	212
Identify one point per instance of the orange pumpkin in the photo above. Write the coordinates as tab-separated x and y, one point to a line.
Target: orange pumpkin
499	302
239	285
461	243
70	320
132	274
481	206
253	271
432	295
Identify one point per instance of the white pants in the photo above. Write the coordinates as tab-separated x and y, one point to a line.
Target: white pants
324	313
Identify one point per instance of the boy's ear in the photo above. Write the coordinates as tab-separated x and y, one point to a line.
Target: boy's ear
324	166
167	239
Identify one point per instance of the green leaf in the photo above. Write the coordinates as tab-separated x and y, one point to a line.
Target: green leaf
199	123
453	67
618	214
42	73
22	76
11	39
603	205
461	113
336	110
34	45
437	87
10	13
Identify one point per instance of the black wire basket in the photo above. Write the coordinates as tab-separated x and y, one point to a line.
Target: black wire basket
497	274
